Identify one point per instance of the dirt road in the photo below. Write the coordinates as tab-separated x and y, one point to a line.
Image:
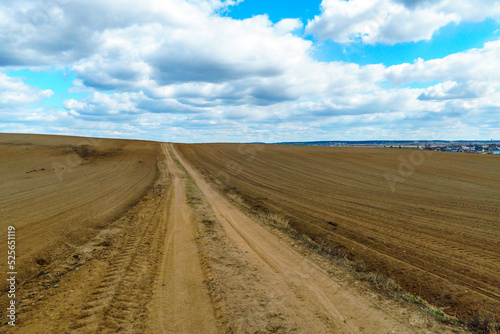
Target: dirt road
311	299
141	273
146	272
437	234
182	300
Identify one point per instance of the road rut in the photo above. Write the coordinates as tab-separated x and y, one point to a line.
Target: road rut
317	302
183	302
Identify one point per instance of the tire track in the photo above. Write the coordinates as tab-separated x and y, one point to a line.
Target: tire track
120	294
445	248
319	302
182	302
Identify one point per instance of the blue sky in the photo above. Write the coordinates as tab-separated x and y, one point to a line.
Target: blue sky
59	81
450	39
211	70
275	10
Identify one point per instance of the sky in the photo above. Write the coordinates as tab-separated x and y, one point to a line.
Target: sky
251	70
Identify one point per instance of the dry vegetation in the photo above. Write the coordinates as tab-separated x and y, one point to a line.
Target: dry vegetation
437	236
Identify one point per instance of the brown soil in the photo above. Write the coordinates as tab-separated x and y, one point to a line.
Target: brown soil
437	234
58	191
267	285
182	301
140	273
166	257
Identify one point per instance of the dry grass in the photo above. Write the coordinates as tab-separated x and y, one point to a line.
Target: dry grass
268	218
238	200
357	270
483	324
274	220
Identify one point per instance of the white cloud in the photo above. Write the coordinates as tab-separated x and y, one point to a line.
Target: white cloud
14	93
287	25
156	69
475	64
219	73
394	21
452	90
19	114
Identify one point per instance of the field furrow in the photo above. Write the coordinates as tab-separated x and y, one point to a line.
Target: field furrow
437	233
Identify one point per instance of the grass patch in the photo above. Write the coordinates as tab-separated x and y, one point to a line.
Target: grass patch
417	300
483	324
203	212
275	220
238	200
193	198
178	163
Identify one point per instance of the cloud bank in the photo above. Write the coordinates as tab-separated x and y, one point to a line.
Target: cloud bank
176	70
395	21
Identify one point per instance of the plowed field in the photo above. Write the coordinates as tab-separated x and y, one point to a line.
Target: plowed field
57	191
436	230
117	236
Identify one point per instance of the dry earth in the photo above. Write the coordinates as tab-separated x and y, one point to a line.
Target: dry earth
168	254
437	233
58	191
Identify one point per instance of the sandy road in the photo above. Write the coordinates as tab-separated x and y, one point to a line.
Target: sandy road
318	303
183	302
143	273
140	274
436	234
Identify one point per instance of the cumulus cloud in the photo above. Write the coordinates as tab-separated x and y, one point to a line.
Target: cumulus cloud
14	93
475	64
453	90
19	106
394	21
213	72
159	68
288	25
55	32
121	106
160	45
